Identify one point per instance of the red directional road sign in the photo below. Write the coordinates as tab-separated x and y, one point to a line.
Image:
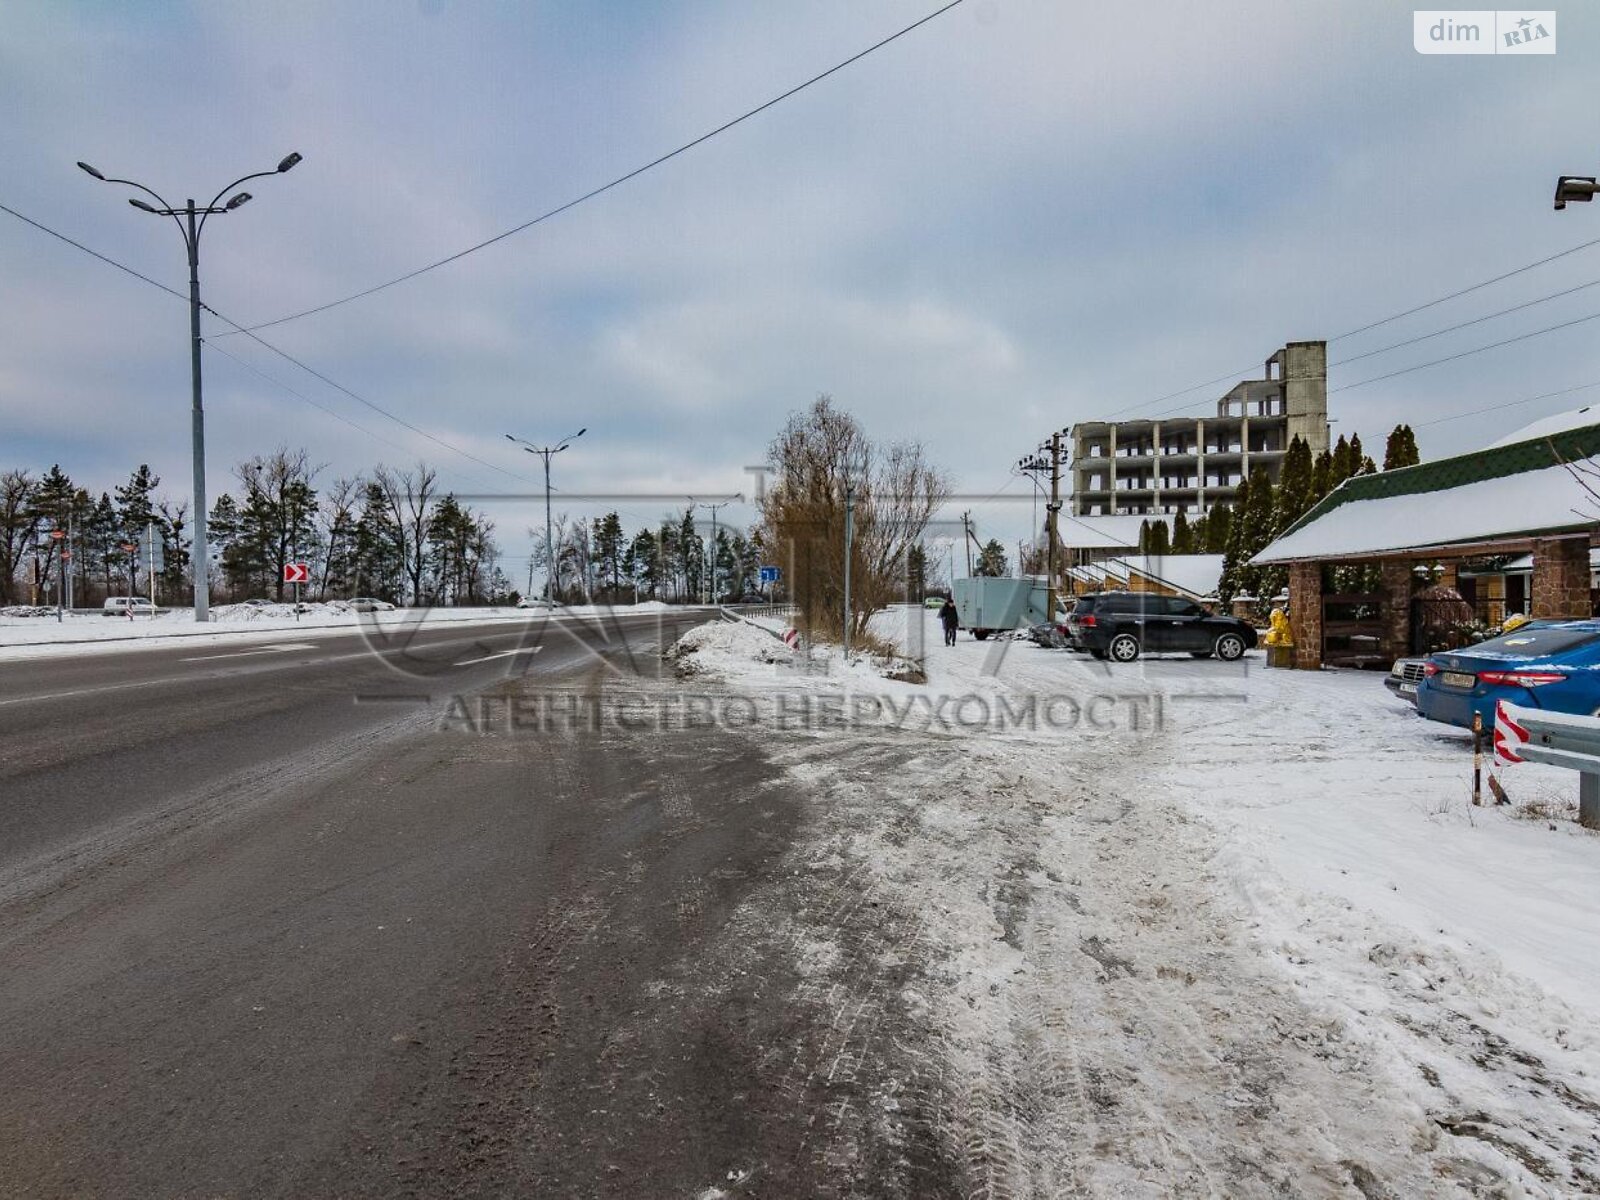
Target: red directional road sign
296	572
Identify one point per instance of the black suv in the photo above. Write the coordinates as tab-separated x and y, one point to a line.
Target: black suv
1122	625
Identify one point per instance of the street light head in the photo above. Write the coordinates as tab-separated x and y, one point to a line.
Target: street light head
87	169
289	163
1579	188
238	201
140	204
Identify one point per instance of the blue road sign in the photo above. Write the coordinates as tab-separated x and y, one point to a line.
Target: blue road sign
770	574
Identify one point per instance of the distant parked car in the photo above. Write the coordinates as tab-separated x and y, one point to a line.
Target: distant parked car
370	604
534	602
1553	665
122	606
1404	677
934	602
1123	625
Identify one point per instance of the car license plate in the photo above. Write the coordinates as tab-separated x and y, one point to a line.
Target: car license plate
1459	679
1407	688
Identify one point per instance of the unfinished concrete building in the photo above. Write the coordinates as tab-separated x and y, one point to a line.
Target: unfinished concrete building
1189	463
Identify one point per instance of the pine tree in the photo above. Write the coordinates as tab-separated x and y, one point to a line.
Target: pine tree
1231	531
1219	525
991	560
1295	486
1199	536
1343	465
608	550
1182	534
1322	476
1401	449
136	506
1158	545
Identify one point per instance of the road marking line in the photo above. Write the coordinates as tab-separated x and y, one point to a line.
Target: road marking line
491	657
276	648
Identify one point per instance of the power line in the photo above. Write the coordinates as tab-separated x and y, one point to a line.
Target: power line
360	399
1371	325
617	182
1475	287
375	407
93	253
278	383
1465	324
1478	412
1521	337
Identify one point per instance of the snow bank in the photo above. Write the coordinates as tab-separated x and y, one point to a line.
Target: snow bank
37	636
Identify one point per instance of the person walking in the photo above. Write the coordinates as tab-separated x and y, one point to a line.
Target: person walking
951	620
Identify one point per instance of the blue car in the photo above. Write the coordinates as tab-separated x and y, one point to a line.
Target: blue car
1553	665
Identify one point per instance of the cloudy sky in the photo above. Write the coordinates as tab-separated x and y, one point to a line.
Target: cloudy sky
1023	214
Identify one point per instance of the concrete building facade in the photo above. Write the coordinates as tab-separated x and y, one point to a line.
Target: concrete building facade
1190	463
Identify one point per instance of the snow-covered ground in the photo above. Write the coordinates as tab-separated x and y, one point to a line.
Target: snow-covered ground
41	636
1186	927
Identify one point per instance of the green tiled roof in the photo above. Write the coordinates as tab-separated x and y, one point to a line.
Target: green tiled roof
1570	445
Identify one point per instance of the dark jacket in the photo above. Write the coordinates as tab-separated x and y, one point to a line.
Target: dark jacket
948	615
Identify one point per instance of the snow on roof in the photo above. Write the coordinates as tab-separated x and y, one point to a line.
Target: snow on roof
1578	418
1117	532
1501	494
1510	506
1195	575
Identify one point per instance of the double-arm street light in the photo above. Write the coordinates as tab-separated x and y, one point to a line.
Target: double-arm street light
190	227
546	452
714	506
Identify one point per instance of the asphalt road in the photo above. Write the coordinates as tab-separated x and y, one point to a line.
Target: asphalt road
286	919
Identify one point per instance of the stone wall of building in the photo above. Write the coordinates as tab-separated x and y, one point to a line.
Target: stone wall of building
1305	614
1395	587
1560	578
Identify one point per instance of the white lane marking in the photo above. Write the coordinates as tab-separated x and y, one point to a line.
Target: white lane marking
276	648
491	657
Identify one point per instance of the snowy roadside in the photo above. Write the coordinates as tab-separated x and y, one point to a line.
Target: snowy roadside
1251	942
44	637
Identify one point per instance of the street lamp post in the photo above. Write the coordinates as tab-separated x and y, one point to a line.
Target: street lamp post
192	223
1575	189
714	505
545	452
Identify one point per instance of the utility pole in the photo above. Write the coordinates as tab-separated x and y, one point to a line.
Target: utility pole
191	230
966	540
849	546
714	506
545	452
1052	512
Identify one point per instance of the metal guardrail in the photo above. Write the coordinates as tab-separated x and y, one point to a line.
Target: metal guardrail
1558	739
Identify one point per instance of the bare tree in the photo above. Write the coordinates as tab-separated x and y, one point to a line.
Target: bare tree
823	460
409	496
19	526
337	515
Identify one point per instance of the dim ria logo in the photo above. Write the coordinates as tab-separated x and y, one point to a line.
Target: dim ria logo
1469	31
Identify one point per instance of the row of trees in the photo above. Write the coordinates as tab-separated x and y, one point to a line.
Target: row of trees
1263	510
95	533
393	534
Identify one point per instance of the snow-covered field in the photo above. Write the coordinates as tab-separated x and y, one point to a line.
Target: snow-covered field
40	636
1191	928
